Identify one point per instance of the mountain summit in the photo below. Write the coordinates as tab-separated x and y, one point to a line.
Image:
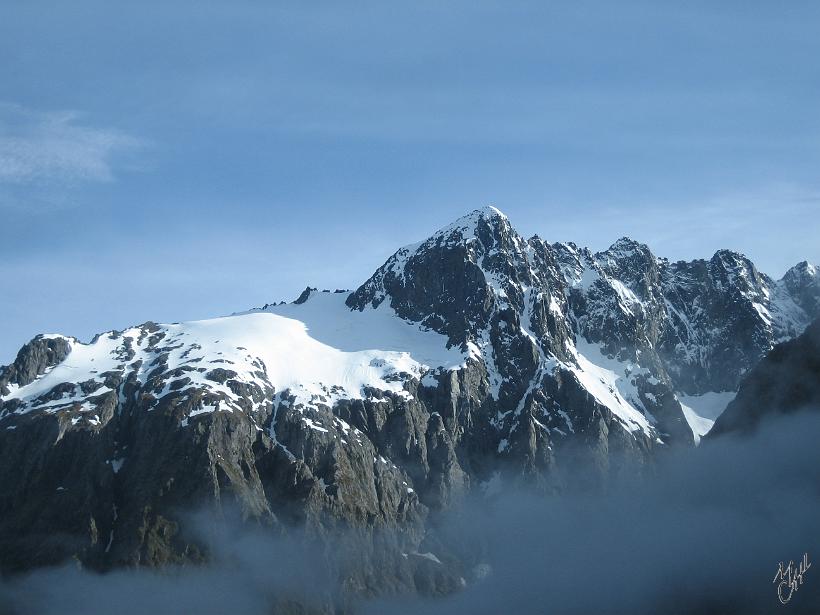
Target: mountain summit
473	359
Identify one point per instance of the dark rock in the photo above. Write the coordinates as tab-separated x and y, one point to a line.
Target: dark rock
34	359
787	380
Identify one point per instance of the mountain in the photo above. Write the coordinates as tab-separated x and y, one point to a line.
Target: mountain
802	282
468	362
786	381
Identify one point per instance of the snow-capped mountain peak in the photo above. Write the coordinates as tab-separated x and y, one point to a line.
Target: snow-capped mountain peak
470	353
802	282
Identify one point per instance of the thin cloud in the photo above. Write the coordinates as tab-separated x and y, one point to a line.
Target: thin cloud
57	147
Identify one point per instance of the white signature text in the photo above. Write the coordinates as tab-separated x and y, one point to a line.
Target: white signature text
790	577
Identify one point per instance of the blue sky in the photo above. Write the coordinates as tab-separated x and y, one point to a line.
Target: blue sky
172	161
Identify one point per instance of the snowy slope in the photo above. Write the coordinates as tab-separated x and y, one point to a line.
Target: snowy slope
611	382
702	410
320	351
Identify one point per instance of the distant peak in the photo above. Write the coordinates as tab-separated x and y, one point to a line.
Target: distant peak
626	246
491	211
802	270
467	224
488	213
733	264
468	238
724	255
625	242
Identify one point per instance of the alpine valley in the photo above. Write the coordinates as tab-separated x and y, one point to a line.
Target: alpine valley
468	364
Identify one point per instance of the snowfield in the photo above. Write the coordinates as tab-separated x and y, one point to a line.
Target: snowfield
701	411
316	349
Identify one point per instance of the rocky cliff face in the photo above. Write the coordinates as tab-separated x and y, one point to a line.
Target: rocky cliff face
471	360
786	381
